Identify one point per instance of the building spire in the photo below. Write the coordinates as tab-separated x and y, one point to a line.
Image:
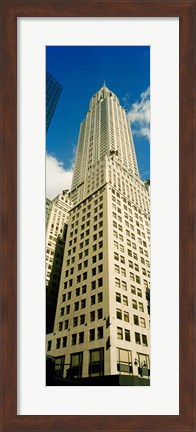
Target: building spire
104	82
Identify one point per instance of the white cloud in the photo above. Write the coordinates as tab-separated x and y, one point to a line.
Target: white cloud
57	178
139	115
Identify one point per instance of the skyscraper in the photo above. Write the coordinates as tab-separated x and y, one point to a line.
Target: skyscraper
101	332
57	213
53	92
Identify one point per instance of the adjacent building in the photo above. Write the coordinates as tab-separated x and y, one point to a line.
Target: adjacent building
53	92
102	326
57	212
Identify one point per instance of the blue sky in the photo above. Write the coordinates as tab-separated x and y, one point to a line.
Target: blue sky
81	70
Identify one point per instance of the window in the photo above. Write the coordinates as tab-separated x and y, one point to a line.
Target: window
76	306
49	345
135	319
64	341
100	282
144	340
115	244
74	339
94	259
93	285
141	307
117	282
100	255
124	364
125	300
131	276
118	314
100	314
126	316
117	268
133	289
94	271
92	316
81	337
83	303
118	297
139	292
58	343
62	311
100	268
123	271
134	304
69	295
60	325
119	333
100	297
85	276
127	335
99	332
142	322
77	292
116	256
96	362
137	338
122	259
93	300
91	334
137	278
66	324
75	370
124	285
75	321
84	289
82	319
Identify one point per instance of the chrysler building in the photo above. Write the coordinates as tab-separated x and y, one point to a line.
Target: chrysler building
102	326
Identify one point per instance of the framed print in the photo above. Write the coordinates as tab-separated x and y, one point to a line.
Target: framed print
27	28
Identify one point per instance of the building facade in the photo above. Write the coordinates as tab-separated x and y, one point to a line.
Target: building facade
57	212
53	92
102	323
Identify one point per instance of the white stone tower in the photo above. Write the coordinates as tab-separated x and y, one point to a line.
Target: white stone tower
102	320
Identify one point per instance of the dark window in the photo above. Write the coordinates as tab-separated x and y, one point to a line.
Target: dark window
137	338
83	303
76	306
127	335
81	337
74	339
75	321
58	343
100	333
92	316
100	314
92	334
82	319
100	297
93	300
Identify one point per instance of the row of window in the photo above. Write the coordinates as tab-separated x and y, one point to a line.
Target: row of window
97	298
94	284
124	334
124	300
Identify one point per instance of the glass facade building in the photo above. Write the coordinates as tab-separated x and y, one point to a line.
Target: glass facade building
53	92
